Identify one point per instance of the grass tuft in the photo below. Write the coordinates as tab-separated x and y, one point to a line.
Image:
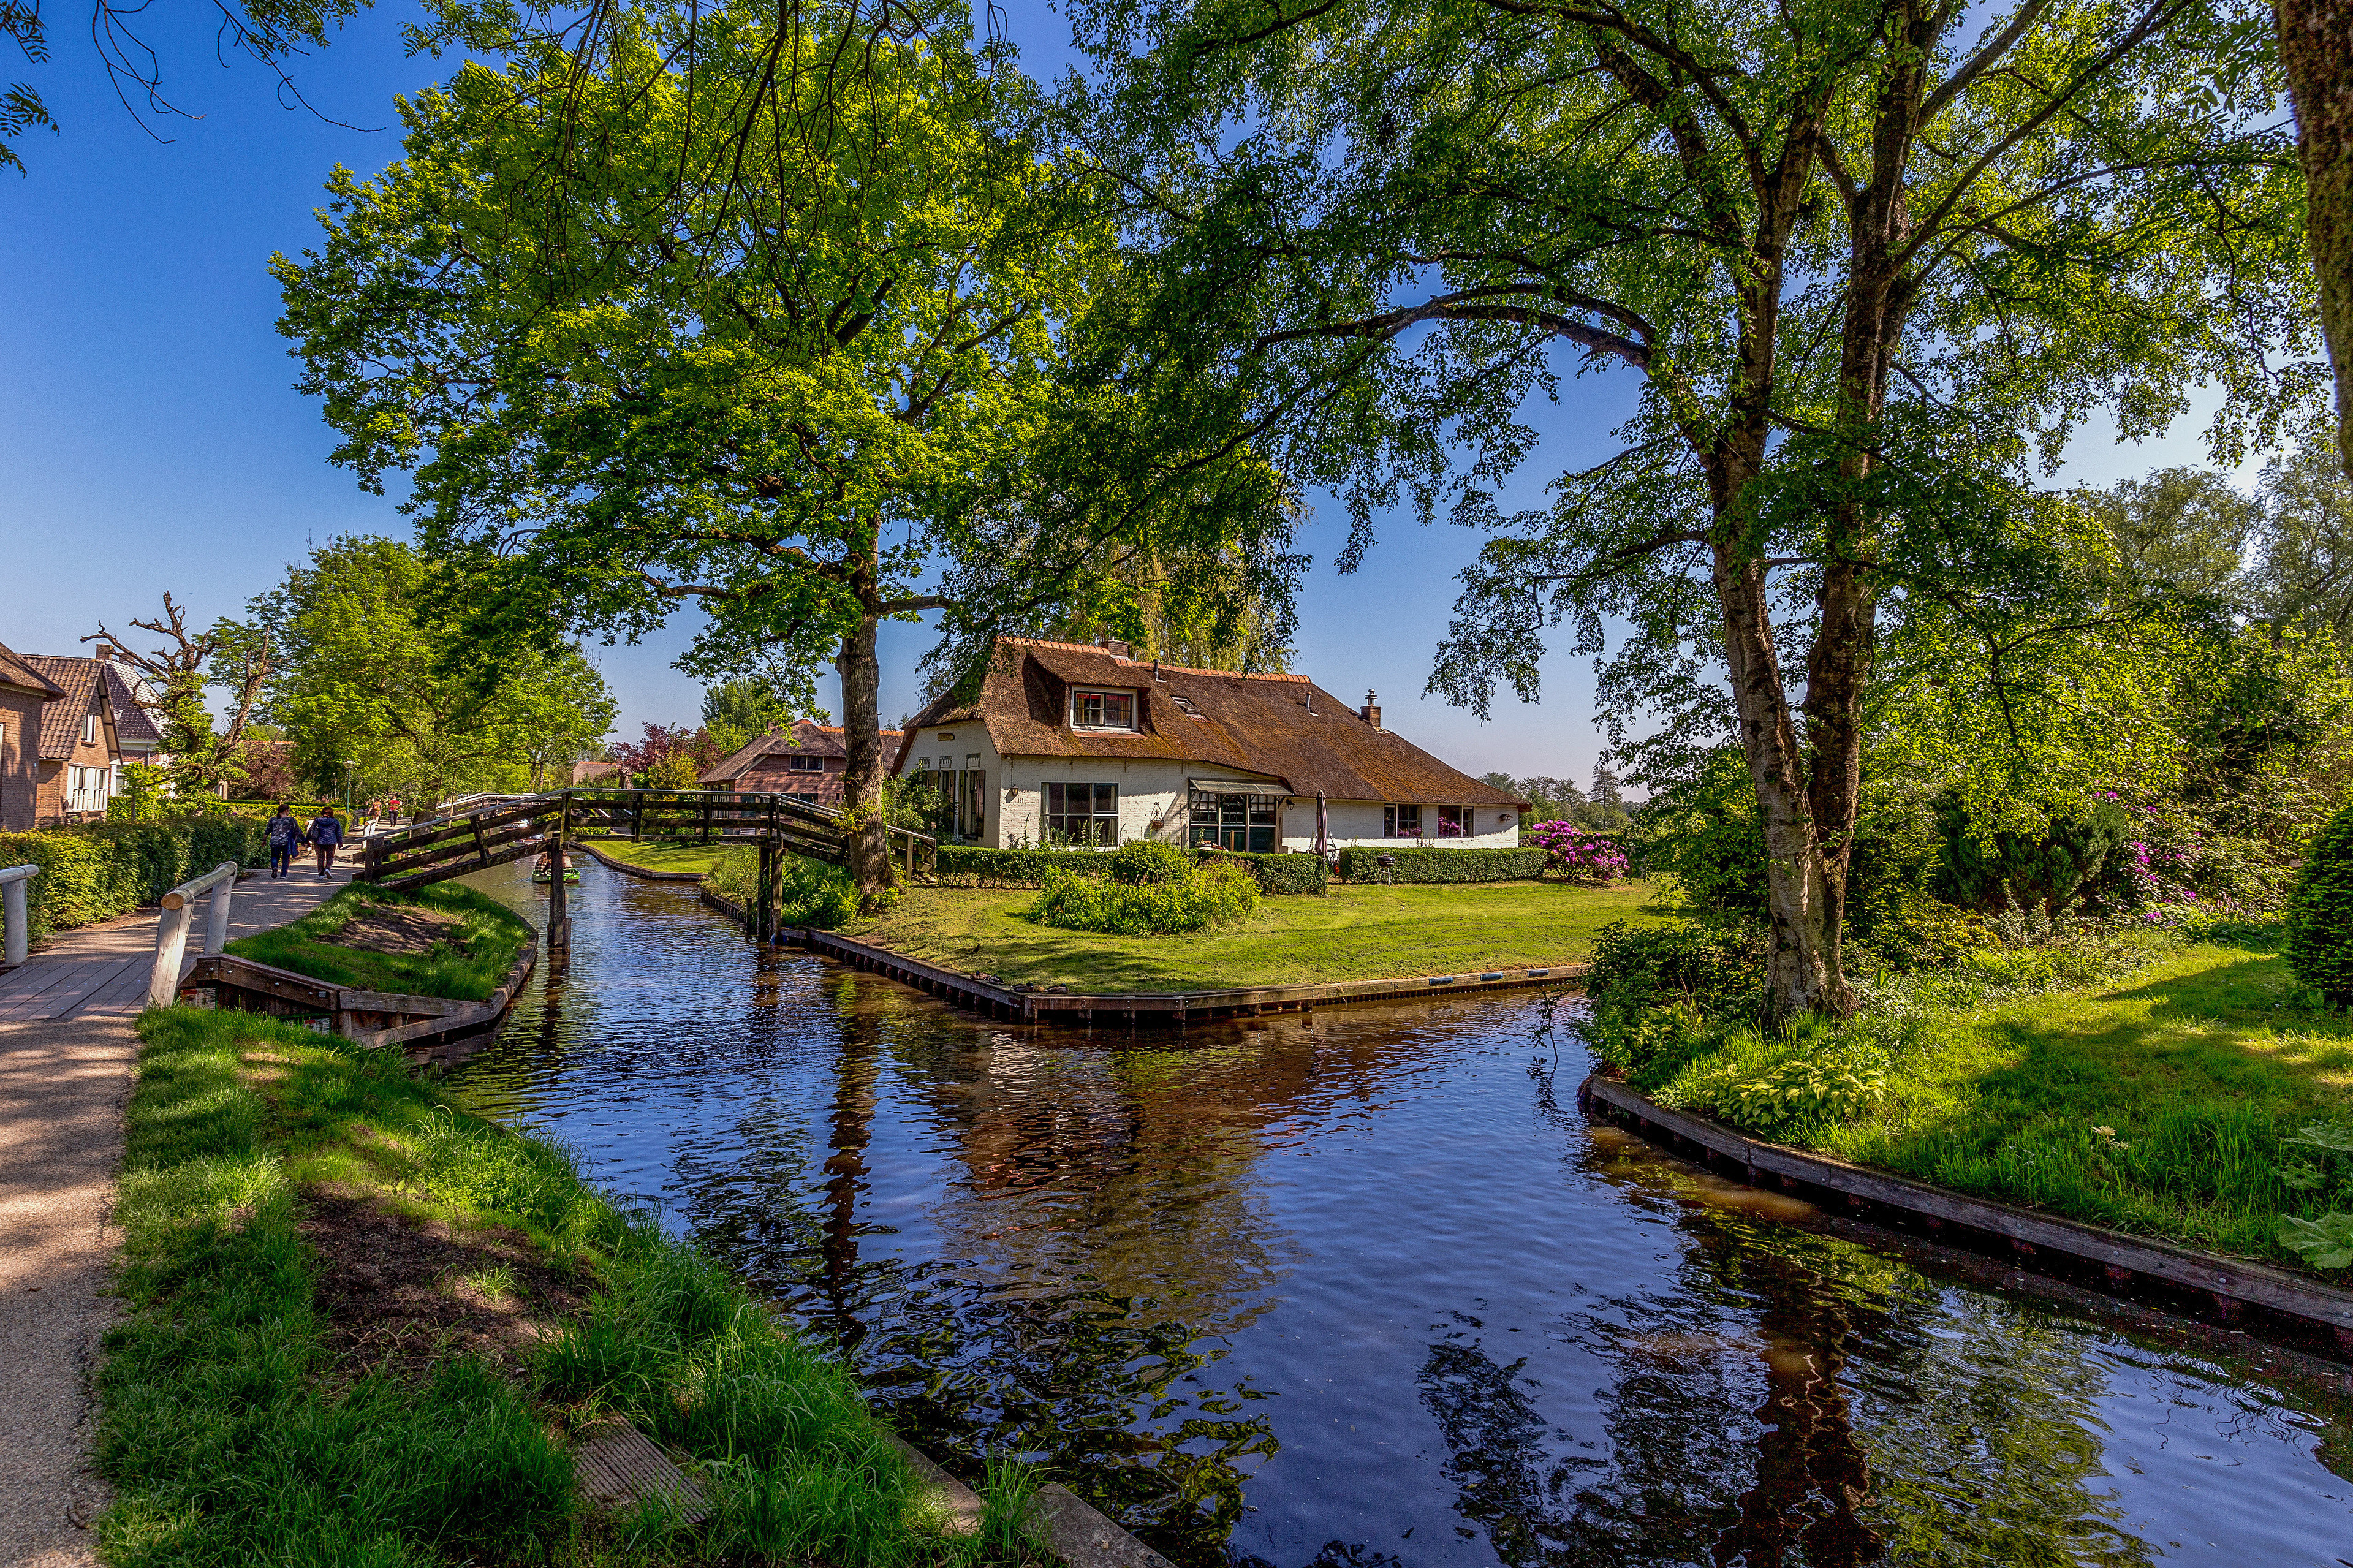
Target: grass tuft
486	939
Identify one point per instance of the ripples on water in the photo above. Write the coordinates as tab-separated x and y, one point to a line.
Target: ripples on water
1358	1289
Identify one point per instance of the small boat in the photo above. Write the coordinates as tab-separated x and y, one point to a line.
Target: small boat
539	873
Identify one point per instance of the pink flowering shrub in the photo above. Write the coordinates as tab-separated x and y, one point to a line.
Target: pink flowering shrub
1580	856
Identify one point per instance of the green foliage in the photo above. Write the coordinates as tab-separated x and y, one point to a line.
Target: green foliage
2320	913
1277	874
970	864
2047	870
466	965
814	894
1704	832
1142	861
1361	864
1203	898
377	668
1655	993
2324	1242
142	797
1797	1080
98	870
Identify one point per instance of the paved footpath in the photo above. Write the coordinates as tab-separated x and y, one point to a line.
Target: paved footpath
66	1056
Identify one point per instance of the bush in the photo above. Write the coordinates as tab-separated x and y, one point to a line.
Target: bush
1277	874
1362	865
1705	834
1795	1083
815	894
1580	856
1203	897
1141	862
1656	992
970	865
98	870
2320	913
2046	870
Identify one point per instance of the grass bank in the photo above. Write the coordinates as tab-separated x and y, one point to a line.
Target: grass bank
662	855
2148	1085
445	940
1352	933
363	1326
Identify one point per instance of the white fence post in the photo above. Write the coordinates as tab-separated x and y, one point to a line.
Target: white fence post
12	908
171	929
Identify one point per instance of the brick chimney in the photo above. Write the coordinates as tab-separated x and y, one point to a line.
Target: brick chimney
1371	712
104	653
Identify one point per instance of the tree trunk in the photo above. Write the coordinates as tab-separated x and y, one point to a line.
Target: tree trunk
861	778
2316	40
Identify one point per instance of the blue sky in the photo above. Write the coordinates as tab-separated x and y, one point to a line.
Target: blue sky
151	437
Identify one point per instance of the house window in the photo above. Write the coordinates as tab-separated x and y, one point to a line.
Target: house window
89	729
799	764
1242	823
1400	822
1103	710
1453	821
1082	813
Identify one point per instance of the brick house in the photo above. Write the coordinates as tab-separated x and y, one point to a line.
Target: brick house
1078	743
25	696
80	746
804	758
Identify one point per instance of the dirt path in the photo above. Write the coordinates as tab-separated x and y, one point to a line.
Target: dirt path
66	1056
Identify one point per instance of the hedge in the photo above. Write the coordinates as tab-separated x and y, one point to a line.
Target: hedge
96	871
1295	873
970	865
1362	865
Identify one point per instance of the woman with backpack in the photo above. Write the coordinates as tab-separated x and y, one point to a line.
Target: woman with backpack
285	833
326	836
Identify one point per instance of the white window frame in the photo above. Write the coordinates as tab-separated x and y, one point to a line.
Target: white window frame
89	729
1106	696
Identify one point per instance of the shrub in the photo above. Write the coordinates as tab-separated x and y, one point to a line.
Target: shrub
1796	1082
1203	897
1704	833
1277	874
1655	992
815	894
1580	856
970	865
1141	862
2320	913
98	870
1362	864
2046	870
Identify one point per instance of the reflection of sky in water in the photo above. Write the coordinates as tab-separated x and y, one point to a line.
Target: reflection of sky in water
1355	1289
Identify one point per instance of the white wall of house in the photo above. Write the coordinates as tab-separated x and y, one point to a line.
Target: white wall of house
1360	824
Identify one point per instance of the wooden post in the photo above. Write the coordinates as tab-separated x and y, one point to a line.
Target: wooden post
706	817
216	916
559	904
637	816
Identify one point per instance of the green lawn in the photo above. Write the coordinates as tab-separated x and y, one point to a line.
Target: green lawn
1352	933
663	855
445	940
2158	1102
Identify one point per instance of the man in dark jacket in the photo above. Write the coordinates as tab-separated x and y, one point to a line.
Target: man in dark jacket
326	836
285	833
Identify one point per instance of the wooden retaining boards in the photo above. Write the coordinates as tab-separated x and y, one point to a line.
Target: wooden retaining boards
1167	1006
424	1018
2210	1286
628	870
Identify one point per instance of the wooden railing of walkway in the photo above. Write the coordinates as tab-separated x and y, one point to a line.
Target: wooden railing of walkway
522	827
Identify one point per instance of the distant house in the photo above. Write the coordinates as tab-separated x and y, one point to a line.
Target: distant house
24	694
804	758
1078	743
592	773
134	727
80	747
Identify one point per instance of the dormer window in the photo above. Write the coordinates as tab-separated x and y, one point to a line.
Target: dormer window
1103	710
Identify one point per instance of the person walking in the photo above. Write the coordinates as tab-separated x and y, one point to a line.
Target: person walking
326	836
285	833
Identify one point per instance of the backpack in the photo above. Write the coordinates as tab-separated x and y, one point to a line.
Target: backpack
285	832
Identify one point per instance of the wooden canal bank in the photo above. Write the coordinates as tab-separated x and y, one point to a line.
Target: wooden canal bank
2233	1292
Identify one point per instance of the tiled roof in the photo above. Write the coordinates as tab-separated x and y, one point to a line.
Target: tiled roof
134	727
1284	727
15	671
804	738
61	721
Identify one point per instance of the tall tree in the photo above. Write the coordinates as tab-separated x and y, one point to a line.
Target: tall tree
377	672
2305	574
763	316
2315	44
2179	530
233	654
1861	259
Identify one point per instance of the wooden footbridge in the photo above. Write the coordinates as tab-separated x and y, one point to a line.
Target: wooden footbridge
518	827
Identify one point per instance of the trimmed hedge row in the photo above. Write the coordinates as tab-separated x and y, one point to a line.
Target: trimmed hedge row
1362	865
98	870
1277	874
970	865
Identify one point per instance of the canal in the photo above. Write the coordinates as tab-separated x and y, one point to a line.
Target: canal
1365	1289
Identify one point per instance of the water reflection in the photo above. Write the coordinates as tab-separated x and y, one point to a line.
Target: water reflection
1355	1289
